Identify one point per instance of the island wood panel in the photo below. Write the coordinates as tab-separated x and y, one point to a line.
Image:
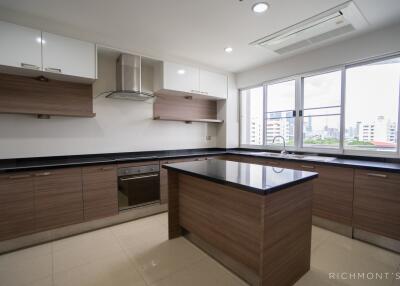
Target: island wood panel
164	175
227	218
27	95
174	228
376	202
17	210
58	198
287	235
184	108
100	191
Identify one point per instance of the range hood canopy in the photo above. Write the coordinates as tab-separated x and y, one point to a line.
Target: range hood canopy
129	77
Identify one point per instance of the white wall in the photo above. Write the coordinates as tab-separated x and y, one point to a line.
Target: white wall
119	126
375	43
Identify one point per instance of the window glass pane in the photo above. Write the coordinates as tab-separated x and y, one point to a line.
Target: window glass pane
321	114
372	96
281	100
281	96
252	116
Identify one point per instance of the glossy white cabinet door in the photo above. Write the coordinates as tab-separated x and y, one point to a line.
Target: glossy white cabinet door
20	46
68	56
213	84
181	78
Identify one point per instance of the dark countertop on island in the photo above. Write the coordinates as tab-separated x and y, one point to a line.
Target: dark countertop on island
26	164
249	177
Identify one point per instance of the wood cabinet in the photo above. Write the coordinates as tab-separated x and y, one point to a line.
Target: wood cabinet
164	175
58	198
100	191
68	56
187	79
20	46
16	205
376	202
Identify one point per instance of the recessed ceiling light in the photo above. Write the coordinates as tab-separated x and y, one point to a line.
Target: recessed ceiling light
229	50
260	7
40	40
181	71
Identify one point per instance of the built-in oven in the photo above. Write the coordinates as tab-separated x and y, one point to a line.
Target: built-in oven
138	186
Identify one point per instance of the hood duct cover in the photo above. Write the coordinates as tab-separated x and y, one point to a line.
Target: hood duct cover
129	75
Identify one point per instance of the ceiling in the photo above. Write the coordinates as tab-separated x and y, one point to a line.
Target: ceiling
186	30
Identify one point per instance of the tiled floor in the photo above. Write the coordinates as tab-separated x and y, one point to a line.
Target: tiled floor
138	253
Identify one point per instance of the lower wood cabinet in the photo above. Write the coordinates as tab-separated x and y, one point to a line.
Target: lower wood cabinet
164	175
58	198
17	210
100	191
377	202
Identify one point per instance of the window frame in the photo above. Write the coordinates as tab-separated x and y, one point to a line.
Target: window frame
299	106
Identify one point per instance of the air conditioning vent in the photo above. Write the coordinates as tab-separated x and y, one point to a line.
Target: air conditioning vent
330	24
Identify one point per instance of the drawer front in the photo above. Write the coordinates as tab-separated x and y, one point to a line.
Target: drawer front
58	198
377	202
100	191
16	205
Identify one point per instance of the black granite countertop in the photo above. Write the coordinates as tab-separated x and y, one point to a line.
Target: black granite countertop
26	164
249	177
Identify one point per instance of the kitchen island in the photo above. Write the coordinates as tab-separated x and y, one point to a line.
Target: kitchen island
254	219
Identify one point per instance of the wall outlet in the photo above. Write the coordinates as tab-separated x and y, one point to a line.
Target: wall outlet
208	137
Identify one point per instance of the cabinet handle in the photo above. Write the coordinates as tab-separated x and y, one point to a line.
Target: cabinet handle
107	168
195	91
16	177
57	70
307	167
43	174
139	177
376	175
29	66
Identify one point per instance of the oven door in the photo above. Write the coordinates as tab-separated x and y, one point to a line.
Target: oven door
137	190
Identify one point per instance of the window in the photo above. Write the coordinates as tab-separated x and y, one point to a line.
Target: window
281	106
252	102
351	110
321	110
372	103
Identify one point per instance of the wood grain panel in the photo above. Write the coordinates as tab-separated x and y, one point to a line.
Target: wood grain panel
20	94
227	218
174	228
287	235
376	202
164	175
184	108
100	191
16	205
58	198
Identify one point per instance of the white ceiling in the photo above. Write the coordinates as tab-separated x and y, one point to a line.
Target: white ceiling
187	30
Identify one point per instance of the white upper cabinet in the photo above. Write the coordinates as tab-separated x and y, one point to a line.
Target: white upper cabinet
185	79
68	56
20	46
181	78
213	84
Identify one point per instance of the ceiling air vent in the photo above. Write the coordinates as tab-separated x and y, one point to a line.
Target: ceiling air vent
337	21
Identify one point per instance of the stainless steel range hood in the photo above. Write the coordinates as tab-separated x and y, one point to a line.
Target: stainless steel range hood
129	76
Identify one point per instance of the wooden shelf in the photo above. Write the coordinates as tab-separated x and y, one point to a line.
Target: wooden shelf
188	120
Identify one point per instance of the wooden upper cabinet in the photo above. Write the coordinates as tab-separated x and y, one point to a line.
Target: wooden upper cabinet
376	202
181	78
58	198
213	84
100	191
16	205
68	56
20	46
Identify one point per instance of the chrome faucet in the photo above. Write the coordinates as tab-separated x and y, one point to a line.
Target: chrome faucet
283	152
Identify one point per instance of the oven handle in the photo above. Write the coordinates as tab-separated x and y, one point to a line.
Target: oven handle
139	177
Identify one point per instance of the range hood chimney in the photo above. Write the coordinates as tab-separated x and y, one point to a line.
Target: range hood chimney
129	76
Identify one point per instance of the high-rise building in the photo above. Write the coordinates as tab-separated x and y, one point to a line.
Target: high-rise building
380	130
